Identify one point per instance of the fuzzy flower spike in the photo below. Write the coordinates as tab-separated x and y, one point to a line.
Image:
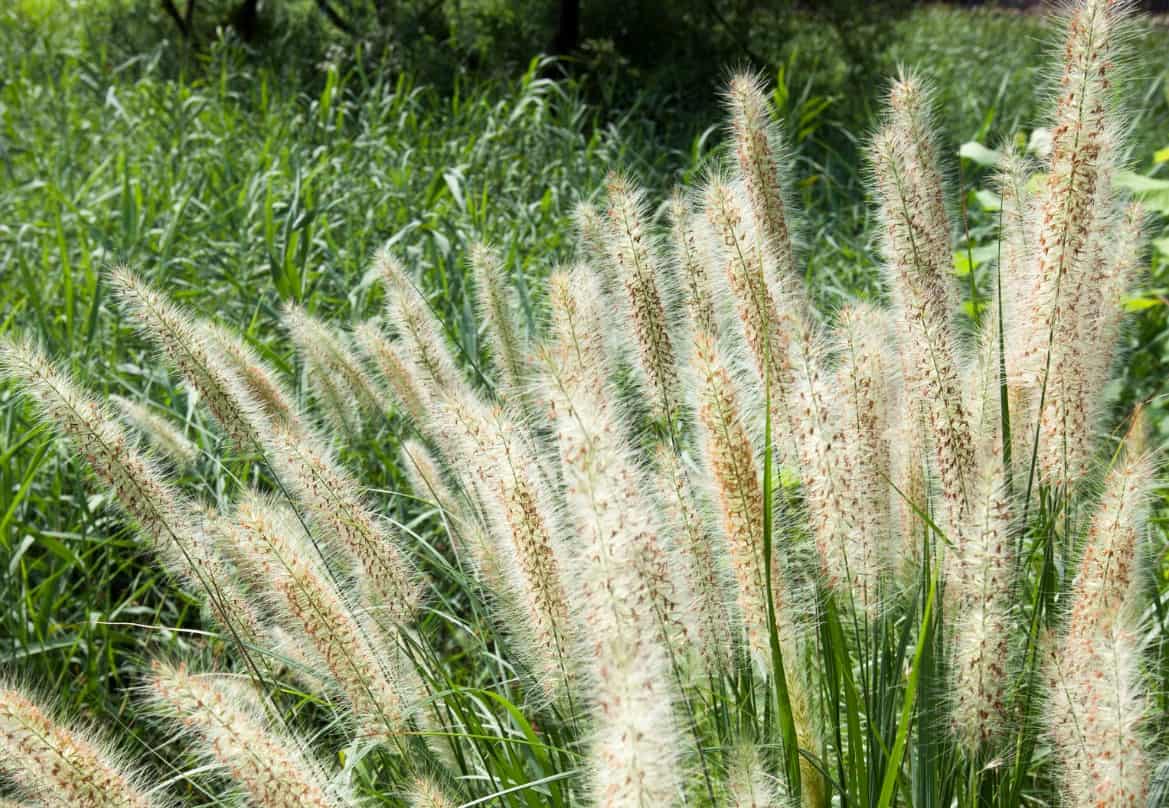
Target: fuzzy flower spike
917	248
344	389
198	358
1073	203
1096	710
757	146
632	253
163	515
58	766
620	572
736	485
369	681
497	310
229	724
501	469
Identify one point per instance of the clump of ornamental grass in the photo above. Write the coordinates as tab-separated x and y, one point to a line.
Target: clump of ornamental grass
685	541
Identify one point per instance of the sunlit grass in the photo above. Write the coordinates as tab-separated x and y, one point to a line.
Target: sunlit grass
239	193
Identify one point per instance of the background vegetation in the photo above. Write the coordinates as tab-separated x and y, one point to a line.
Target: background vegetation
239	174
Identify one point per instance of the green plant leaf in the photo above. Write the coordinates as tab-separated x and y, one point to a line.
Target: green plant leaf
1142	303
989	200
966	260
1151	191
893	769
977	153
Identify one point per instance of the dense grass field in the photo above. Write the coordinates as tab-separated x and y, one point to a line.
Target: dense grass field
240	183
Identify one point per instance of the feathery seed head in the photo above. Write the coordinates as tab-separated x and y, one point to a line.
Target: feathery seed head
1096	717
623	590
165	437
258	378
193	355
909	459
1016	268
735	478
409	313
758	151
425	792
593	240
691	266
909	183
849	553
59	766
460	513
577	332
312	607
1096	720
983	395
506	477
1109	581
922	198
161	512
605	493
702	563
1083	107
917	247
749	784
268	765
400	374
136	481
1081	358
767	324
338	381
334	504
736	485
205	564
981	587
632	252
426	477
1096	695
863	442
1074	212
1011	346
497	311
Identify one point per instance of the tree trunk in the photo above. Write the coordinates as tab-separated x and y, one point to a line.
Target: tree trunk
567	38
245	19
